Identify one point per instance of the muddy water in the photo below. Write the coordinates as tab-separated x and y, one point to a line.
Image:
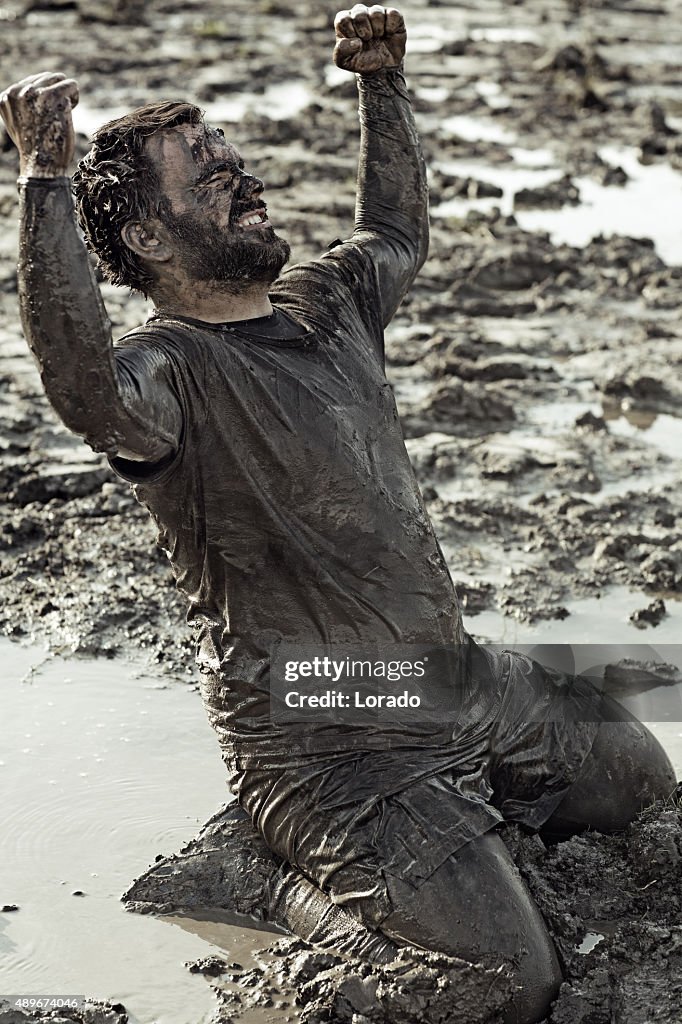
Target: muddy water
101	769
641	208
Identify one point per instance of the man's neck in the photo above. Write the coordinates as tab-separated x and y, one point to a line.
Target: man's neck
213	302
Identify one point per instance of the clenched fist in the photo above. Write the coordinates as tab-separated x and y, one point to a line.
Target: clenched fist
369	38
37	112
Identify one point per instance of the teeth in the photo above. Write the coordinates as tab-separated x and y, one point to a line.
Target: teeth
251	218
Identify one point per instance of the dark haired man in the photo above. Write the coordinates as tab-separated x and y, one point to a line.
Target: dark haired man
252	414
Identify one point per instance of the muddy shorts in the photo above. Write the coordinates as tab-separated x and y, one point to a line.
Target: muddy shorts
520	741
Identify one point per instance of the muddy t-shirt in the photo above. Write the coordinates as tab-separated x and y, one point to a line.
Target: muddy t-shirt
290	511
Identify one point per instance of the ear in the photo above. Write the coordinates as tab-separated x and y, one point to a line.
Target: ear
149	240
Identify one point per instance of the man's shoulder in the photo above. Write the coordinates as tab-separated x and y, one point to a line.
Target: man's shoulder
338	291
163	331
341	260
175	340
158	350
342	271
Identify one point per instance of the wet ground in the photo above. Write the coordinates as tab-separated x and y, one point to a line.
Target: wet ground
536	361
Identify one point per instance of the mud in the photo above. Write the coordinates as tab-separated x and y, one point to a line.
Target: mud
622	892
538	380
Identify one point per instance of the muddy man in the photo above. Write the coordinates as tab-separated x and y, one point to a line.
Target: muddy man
252	416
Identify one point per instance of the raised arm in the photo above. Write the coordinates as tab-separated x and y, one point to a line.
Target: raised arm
62	312
391	216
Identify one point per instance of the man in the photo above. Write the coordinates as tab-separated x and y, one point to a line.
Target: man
253	417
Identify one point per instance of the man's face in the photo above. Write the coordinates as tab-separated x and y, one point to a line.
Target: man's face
214	208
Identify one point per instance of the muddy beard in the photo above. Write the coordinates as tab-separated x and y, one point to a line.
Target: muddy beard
208	253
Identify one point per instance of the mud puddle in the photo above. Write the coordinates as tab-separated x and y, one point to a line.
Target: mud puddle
473	129
102	769
240	954
660	430
640	208
593	620
663	431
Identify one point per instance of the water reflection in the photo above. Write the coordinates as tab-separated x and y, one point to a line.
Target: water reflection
101	771
640	418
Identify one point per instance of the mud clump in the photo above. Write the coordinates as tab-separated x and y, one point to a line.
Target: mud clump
81	572
652	615
549	197
457	407
625	891
417	988
211	966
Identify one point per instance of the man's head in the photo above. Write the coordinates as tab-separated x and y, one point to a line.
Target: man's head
160	194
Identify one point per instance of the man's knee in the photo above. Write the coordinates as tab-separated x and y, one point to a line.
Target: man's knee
626	771
476	905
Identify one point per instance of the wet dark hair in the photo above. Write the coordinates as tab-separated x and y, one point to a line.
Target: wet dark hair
117	182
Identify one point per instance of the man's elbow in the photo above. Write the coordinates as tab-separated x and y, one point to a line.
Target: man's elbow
418	249
93	429
84	410
422	248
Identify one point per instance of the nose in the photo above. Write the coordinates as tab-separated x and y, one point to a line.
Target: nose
250	185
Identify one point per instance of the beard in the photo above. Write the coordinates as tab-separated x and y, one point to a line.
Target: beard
210	253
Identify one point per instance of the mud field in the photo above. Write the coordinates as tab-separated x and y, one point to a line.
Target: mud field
536	364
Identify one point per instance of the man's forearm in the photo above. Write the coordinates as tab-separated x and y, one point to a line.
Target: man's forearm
68	330
392	198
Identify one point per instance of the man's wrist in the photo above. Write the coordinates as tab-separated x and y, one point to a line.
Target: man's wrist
385	81
385	72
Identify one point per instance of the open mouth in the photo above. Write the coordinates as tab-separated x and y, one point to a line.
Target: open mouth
253	218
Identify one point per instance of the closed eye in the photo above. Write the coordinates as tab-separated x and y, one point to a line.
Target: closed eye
225	179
